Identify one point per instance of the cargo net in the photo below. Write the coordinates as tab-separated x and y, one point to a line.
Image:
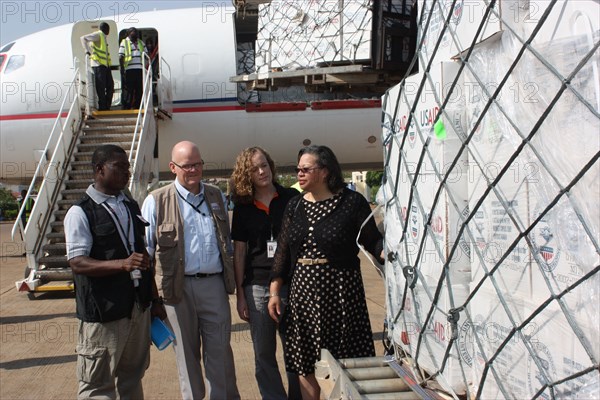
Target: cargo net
491	197
298	34
294	93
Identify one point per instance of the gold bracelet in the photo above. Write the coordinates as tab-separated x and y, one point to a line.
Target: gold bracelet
273	294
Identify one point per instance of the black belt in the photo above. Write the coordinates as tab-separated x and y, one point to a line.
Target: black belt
202	275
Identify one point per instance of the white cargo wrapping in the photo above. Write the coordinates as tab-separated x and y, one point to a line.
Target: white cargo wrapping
295	34
513	174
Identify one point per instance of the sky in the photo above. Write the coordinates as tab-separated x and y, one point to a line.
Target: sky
20	18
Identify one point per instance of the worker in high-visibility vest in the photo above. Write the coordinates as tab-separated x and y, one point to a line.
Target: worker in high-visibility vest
96	46
131	62
27	207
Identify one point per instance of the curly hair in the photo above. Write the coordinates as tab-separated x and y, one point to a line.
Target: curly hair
242	190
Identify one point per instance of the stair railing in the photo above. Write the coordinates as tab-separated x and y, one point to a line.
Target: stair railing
163	88
51	171
143	141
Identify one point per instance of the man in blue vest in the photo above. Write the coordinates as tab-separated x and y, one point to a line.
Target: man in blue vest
131	62
96	46
114	285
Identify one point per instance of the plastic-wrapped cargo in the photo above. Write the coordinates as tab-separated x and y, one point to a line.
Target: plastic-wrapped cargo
297	34
528	324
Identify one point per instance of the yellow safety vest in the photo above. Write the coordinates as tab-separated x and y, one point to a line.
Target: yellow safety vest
28	207
127	56
101	54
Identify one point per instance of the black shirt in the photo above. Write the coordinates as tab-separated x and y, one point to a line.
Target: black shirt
254	226
334	236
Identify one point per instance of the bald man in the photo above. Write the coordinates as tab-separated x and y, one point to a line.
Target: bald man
189	240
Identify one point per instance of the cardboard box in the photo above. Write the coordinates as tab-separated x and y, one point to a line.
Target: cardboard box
491	326
435	336
432	158
321	32
566	19
466	18
556	352
399	103
497	223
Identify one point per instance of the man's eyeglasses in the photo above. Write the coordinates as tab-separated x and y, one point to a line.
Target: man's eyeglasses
190	167
305	170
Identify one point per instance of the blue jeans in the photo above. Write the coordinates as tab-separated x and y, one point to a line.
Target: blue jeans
263	330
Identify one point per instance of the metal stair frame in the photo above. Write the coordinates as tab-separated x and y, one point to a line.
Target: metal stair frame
60	144
64	143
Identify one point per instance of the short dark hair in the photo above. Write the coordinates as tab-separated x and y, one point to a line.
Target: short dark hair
105	153
104	26
326	159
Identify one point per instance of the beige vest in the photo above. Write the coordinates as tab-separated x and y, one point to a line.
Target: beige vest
170	251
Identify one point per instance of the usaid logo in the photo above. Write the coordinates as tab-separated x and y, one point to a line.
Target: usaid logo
412	138
540	367
547	254
414	219
466	342
457	12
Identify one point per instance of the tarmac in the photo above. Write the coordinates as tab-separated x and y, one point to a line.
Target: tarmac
38	338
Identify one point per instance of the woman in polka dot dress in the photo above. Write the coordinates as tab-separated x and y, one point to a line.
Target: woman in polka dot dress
317	253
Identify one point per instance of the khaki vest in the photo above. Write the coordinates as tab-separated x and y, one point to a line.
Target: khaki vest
170	252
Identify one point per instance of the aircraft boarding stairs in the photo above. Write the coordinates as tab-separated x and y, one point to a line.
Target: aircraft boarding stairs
65	173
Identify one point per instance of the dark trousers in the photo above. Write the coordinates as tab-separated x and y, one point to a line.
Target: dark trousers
105	86
132	90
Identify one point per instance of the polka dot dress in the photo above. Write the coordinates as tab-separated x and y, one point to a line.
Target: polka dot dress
327	306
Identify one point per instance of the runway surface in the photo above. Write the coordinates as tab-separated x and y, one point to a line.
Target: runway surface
38	337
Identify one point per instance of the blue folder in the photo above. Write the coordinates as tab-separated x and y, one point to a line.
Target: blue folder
162	336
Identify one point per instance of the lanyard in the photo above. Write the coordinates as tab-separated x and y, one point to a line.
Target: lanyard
196	208
120	227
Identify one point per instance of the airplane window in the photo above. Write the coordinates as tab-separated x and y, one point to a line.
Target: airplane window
7	47
14	63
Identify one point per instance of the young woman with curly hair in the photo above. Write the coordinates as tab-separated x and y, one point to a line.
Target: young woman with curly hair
259	204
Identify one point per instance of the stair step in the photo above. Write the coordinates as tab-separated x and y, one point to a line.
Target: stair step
109	137
73	194
86	156
78	183
54	261
57	226
108	130
55	249
85	165
60	214
115	114
87	173
56	237
65	204
110	121
90	147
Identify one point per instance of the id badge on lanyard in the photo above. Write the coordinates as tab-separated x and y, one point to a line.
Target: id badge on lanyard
271	247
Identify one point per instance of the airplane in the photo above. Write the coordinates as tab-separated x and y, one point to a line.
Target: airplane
198	51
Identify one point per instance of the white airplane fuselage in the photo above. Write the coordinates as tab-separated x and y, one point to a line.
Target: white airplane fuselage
199	45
